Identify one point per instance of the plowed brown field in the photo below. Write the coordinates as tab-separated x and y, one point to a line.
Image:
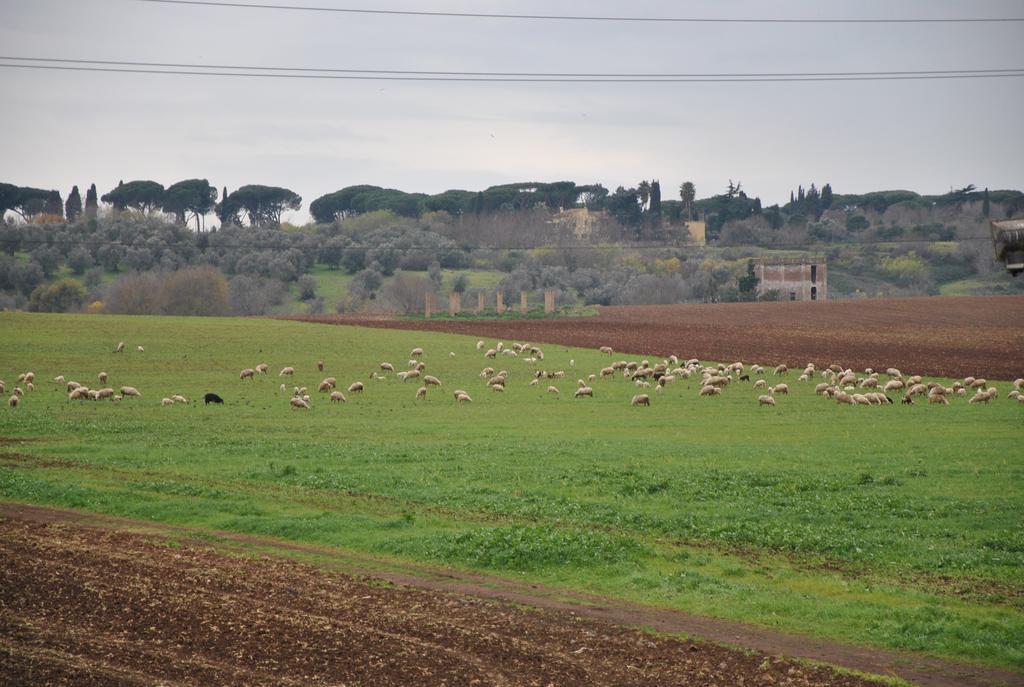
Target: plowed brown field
86	606
953	337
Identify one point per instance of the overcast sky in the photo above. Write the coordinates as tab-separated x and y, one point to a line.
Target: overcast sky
316	136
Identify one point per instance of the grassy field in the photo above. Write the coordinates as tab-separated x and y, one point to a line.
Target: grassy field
894	526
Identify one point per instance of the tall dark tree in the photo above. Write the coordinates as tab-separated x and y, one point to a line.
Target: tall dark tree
263	204
73	205
688	194
826	196
643	191
986	207
654	209
142	195
193	197
748	283
91	202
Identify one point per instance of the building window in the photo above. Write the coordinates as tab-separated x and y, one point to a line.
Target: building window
792	295
814	274
814	293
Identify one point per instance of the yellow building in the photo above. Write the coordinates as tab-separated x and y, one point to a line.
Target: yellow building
697	231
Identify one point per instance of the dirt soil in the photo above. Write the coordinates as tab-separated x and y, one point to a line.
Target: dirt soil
952	336
85	602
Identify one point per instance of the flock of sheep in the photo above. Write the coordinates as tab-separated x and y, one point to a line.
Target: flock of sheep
843	386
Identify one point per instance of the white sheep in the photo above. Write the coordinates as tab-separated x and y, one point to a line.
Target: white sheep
333	381
761	384
553	390
939	399
140	349
13	401
480	345
765	400
338	397
130	391
416	352
106	392
247	373
286	372
166	402
102	376
262	368
781	370
708	390
355	387
486	372
491	353
463	398
500	388
584	391
534	382
299	403
59	379
324	387
282	389
430	380
780	389
607	350
178	398
641	400
120	348
421	392
387	367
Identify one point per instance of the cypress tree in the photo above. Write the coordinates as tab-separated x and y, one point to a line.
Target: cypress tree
91	202
73	205
54	205
986	208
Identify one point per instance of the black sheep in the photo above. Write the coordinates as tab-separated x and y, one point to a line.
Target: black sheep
212	398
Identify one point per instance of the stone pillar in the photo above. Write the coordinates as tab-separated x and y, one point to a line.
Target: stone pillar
454	303
428	304
500	302
480	301
522	303
549	301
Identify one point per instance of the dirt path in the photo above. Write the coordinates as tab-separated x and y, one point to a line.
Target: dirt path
953	337
94	600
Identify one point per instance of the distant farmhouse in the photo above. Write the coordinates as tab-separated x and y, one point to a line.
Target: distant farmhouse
796	279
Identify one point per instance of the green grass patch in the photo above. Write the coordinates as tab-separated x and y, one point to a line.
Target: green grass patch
897	526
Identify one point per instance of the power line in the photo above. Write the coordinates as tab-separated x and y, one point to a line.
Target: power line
567	75
894	76
677	20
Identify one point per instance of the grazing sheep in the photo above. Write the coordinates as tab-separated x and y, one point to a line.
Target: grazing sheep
761	384
893	385
286	372
480	345
416	352
534	382
780	389
820	388
844	398
120	348
1013	394
765	400
166	402
917	390
324	387
781	370
30	386
1018	384
262	368
301	391
666	379
938	399
584	391
18	390
411	374
420	367
338	397
140	349
355	387
607	350
491	353
499	388
641	400
607	371
553	390
130	391
592	377
869	383
320	365
247	373
430	380
282	389
421	392
978	384
78	394
178	398
486	372
463	398
333	381
709	390
59	379
643	384
298	403
207	399
386	367
105	393
451	354
13	401
907	400
861	400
